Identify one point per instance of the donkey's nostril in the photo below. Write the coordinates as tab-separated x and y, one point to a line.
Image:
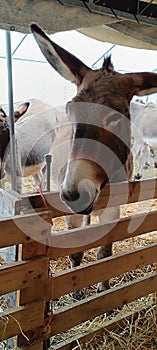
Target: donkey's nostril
79	199
69	196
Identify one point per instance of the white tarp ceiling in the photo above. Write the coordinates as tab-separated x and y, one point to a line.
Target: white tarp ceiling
55	16
33	76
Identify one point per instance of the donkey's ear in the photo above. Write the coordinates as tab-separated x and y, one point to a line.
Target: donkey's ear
66	64
21	110
107	64
2	113
143	83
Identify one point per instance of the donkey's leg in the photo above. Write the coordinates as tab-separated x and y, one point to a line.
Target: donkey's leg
147	158
155	158
104	252
74	221
40	178
136	148
110	215
75	259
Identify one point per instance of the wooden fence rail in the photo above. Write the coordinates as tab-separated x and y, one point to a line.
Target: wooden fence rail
29	227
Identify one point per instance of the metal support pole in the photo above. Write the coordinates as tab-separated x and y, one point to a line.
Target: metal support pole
11	110
105	53
48	158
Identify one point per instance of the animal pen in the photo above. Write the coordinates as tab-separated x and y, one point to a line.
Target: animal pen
36	323
33	320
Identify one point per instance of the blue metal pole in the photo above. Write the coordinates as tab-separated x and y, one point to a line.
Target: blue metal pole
11	110
105	53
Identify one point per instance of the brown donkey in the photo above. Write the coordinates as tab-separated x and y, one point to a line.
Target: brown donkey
100	128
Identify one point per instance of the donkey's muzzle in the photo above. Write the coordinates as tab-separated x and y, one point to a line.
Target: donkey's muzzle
80	200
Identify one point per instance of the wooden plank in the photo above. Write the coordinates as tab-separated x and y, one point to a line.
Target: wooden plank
19	275
77	278
116	323
21	318
83	276
112	195
31	249
55	205
34	335
36	290
127	192
35	346
69	280
91	236
9	203
106	301
21	228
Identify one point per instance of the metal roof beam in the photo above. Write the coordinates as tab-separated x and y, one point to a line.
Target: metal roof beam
19	44
105	53
135	10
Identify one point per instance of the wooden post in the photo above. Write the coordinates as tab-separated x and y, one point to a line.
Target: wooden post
32	250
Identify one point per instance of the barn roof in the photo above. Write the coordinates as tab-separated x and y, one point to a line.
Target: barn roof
131	23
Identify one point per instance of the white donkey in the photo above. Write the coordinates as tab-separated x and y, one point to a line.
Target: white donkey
35	127
144	121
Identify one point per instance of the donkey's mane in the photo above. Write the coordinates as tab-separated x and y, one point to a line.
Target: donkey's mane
4	123
107	64
3	126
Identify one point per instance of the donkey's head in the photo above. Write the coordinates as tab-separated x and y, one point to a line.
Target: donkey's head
5	133
99	117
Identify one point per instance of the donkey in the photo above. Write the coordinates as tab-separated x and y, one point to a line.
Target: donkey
34	134
99	127
4	131
145	134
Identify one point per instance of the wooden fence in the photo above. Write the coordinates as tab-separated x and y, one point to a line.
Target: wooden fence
31	322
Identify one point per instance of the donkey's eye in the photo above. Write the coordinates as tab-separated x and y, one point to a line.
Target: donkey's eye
113	118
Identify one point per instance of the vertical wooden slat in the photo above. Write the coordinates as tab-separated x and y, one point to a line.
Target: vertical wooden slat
8	203
27	251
